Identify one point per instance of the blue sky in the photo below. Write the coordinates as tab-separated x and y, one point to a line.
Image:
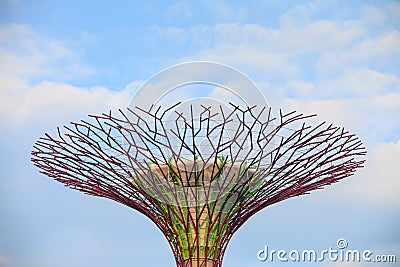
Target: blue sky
62	60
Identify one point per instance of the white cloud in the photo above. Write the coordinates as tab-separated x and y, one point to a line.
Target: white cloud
26	54
363	82
350	84
49	102
393	8
383	15
371	117
373	16
302	46
378	52
289	51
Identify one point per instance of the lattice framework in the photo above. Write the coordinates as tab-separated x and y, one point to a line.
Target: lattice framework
129	158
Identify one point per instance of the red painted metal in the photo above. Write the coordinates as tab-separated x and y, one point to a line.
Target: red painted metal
100	157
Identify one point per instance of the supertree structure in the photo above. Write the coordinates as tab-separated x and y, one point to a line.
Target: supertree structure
200	173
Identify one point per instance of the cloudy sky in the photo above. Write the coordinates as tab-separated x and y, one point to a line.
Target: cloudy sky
62	60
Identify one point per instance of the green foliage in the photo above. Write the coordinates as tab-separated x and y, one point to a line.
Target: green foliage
183	229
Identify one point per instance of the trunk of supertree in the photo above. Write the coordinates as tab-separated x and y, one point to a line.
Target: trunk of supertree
198	246
197	229
201	243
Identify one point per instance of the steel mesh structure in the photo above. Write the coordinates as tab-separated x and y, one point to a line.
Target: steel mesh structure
201	175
